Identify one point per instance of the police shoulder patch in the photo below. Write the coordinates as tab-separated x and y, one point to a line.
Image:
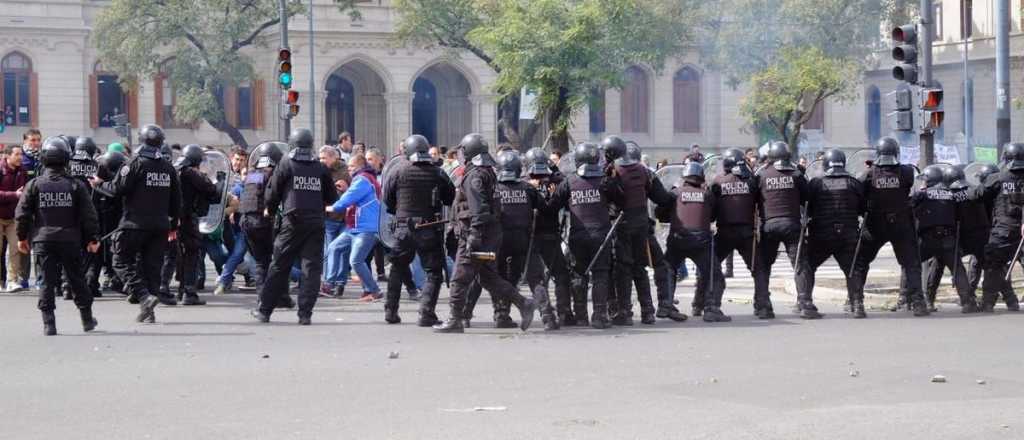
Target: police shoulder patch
477	183
124	170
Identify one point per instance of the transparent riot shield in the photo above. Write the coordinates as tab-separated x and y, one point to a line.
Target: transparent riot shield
217	167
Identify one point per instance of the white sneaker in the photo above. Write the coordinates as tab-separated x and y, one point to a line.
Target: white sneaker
13	287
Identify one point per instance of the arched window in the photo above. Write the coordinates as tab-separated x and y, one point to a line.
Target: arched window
19	90
597	116
241	104
107	98
166	98
686	101
635	101
873	114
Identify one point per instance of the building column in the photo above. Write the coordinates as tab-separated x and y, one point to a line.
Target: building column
485	115
399	119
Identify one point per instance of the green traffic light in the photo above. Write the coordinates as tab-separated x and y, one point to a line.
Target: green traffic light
285	79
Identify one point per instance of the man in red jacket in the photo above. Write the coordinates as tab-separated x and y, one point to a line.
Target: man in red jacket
12	180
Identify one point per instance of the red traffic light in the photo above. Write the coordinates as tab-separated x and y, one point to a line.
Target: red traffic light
284	54
931	99
292	97
293	110
906	34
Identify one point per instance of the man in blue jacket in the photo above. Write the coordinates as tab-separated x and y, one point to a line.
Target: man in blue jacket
361	206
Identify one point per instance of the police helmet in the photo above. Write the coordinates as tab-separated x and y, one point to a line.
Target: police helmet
151	135
509	166
887	150
615	150
933	175
301	138
694	172
108	164
192	155
267	154
55	152
85	149
537	162
587	160
475	150
986	171
954	177
417	149
780	156
1013	156
835	163
166	152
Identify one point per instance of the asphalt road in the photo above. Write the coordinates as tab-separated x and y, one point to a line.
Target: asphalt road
212	373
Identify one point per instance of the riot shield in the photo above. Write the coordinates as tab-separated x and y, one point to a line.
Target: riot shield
815	169
669	176
567	165
712	167
217	167
857	164
386	232
971	172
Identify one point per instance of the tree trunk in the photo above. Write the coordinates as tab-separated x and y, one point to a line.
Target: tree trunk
234	133
509	123
558	121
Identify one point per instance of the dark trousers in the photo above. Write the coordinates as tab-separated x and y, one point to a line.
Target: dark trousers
785	231
631	258
664	275
583	248
1002	243
697	247
53	255
904	244
188	264
547	254
260	241
138	255
740	238
839	243
467	270
302	241
938	252
409	242
169	266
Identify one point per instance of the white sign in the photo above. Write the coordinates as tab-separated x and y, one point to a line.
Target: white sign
947	154
910	155
527	104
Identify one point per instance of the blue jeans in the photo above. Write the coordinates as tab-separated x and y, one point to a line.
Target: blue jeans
419	276
332	229
235	258
351	250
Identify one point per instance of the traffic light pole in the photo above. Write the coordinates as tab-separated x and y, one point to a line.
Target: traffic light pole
1002	74
927	140
286	123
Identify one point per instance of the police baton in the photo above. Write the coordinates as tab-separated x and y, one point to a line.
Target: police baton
757	238
1016	255
803	232
108	235
529	249
429	224
856	250
958	263
604	243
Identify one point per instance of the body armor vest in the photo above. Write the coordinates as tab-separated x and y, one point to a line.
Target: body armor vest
693	210
305	194
936	208
587	206
516	206
416	185
736	200
780	193
836	202
56	216
889	191
252	192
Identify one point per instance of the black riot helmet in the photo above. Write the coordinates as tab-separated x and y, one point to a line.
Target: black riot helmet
615	150
55	152
108	164
954	177
151	135
887	152
694	173
85	149
166	152
1013	156
587	160
537	162
267	155
509	166
301	138
835	163
634	152
986	171
780	156
417	149
191	156
475	150
932	175
734	161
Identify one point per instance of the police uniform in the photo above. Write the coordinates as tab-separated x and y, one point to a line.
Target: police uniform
197	193
414	191
735	192
108	208
547	242
1004	191
299	188
82	167
55	212
936	210
782	191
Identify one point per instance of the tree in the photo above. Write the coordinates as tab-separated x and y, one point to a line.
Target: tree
756	41
785	95
198	43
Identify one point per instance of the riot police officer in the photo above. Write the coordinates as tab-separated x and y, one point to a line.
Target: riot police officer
887	187
108	208
634	185
299	188
585	195
1004	191
936	210
414	192
55	212
735	192
835	201
478	226
82	167
197	193
149	189
690	237
782	192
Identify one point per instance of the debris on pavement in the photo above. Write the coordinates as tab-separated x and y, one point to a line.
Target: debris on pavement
266	356
854	373
981	382
938	378
393	355
476	409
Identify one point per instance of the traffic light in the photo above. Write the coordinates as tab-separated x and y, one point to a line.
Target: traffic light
284	68
902	119
292	100
931	109
905	53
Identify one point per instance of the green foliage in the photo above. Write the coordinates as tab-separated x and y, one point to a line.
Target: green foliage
444	23
785	94
196	42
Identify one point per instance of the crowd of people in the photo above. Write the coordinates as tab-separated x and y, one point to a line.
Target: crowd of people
477	221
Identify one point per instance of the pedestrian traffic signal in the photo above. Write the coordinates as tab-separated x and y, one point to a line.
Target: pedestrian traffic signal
905	53
284	68
932	114
291	98
902	119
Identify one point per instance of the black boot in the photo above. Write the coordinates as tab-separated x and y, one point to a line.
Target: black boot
391	316
600	319
427	318
580	313
696	310
566	319
259	316
920	309
285	302
969	307
765	312
714	314
68	296
622	319
88	322
305	319
809	311
192	299
550	322
49	323
1012	303
901	304
858	310
453	324
671	312
526	312
502	320
146	306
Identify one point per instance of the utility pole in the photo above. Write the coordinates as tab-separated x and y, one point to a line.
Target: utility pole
286	123
312	76
1002	74
927	139
966	32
